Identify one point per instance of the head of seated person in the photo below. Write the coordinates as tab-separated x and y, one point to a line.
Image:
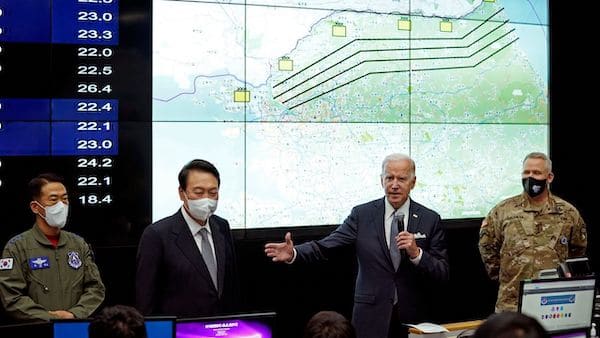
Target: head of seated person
329	324
118	321
510	325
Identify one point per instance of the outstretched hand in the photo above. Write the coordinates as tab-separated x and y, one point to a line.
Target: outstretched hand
281	252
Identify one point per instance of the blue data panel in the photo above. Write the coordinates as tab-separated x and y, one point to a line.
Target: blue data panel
24	109
75	100
24	138
25	21
85	109
85	138
86	22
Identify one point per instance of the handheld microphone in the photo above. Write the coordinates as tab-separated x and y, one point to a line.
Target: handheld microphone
400	224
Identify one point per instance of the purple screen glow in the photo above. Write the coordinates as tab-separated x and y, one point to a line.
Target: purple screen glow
234	328
571	335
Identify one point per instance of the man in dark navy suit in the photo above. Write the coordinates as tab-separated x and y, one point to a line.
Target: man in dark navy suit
398	266
186	262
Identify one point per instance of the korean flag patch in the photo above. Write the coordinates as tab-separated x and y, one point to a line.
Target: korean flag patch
74	260
6	264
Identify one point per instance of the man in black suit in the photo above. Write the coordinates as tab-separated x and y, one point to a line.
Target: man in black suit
186	262
395	282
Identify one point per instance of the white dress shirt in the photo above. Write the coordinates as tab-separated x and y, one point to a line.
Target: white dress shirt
389	213
195	228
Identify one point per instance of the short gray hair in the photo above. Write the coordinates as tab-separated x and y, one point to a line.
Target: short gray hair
540	156
398	157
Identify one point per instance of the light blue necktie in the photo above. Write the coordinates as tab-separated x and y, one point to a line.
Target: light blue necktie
207	255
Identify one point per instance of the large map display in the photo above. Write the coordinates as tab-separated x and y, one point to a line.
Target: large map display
298	102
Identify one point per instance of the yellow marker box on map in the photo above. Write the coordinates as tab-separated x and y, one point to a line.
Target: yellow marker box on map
445	26
286	64
338	30
241	95
404	25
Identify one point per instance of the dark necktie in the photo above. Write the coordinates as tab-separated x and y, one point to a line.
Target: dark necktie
397	226
207	255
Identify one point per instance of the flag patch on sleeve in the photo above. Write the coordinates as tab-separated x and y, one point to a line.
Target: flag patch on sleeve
6	263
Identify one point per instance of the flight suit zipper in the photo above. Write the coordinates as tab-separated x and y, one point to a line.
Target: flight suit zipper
58	267
44	287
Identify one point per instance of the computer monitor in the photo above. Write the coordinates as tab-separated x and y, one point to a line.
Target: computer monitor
250	325
156	327
561	305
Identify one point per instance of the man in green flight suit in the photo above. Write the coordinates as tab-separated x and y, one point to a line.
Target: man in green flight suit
47	273
530	232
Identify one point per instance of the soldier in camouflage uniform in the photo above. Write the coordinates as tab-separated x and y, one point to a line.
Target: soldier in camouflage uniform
47	273
530	232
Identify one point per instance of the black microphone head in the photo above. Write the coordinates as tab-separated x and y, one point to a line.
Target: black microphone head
400	223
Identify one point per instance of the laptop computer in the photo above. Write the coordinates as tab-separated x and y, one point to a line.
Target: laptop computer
156	327
255	325
561	305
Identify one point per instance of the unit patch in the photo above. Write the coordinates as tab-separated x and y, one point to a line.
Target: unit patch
74	260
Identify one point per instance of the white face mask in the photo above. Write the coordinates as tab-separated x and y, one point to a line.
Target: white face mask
201	208
56	215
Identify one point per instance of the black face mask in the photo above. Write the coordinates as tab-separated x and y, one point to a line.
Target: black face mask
534	187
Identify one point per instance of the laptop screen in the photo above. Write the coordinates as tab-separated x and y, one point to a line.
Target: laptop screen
559	304
156	327
576	334
71	328
257	325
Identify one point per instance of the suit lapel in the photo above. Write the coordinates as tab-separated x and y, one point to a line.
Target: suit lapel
219	243
378	219
187	245
413	217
